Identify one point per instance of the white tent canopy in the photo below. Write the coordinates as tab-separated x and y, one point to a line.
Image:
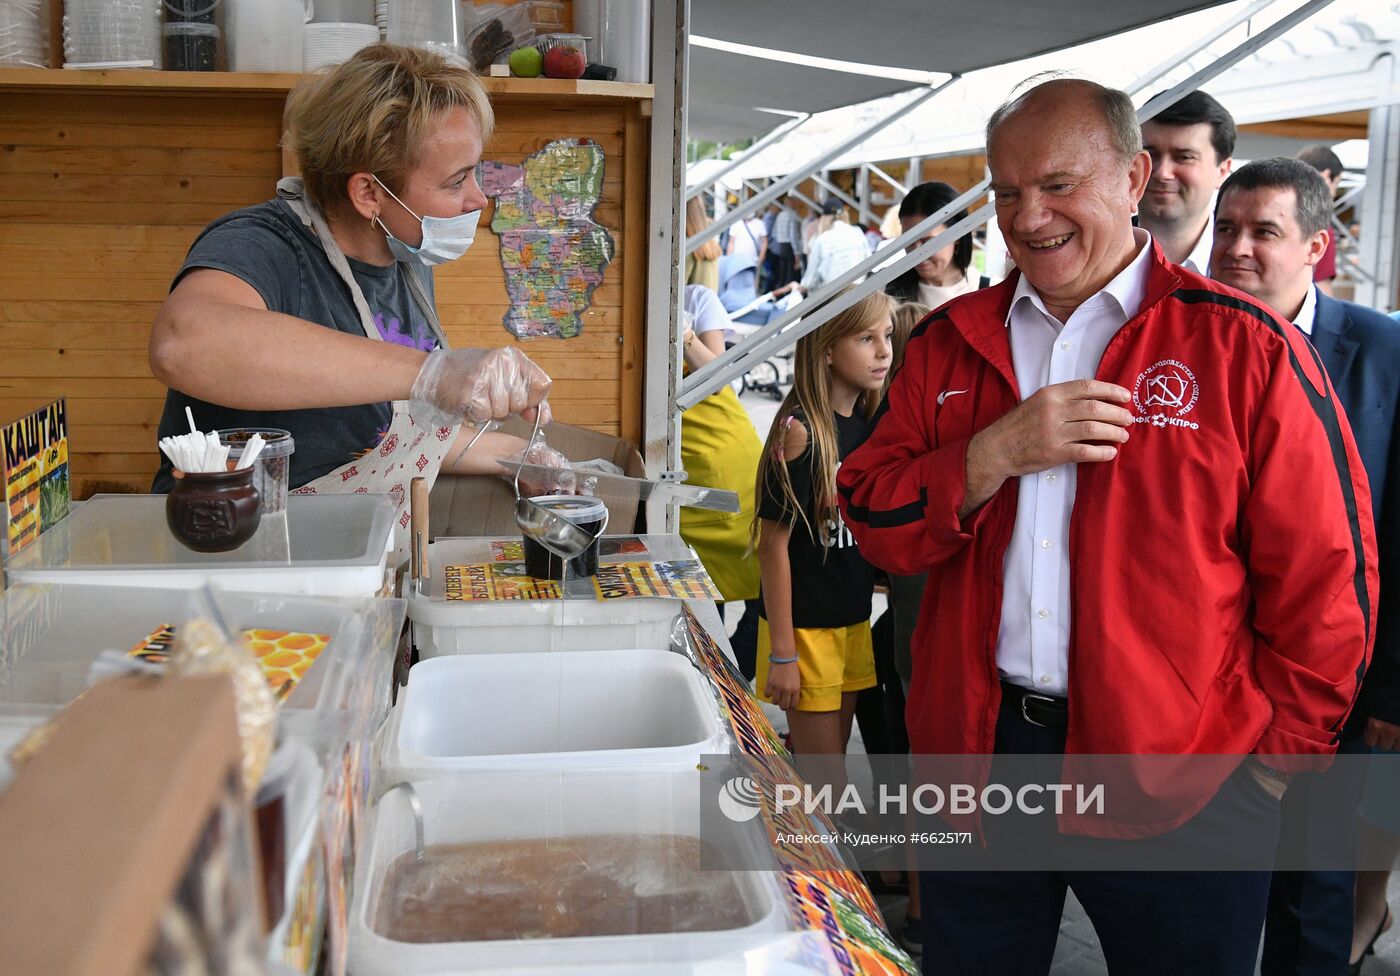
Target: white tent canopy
724	87
1335	62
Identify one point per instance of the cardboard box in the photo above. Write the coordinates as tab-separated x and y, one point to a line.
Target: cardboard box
100	823
469	505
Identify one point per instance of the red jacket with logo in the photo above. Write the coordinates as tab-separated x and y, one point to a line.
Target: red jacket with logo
1223	565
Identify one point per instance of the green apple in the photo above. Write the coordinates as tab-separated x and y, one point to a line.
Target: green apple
526	62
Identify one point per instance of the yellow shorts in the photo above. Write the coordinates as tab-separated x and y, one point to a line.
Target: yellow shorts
831	661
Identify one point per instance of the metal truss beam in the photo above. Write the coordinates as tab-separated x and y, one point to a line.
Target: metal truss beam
795	178
737	160
899	188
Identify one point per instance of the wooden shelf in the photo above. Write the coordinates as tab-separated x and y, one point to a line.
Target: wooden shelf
254	83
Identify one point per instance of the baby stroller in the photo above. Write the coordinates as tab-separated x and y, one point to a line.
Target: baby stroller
749	311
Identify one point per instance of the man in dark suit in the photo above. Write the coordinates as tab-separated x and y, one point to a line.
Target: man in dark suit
1271	223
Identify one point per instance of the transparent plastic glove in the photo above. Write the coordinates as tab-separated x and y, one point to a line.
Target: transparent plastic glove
536	483
477	385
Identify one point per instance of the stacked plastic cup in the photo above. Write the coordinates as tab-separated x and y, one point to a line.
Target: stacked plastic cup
433	24
112	33
266	35
192	39
24	33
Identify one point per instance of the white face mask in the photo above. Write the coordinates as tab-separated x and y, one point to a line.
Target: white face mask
444	238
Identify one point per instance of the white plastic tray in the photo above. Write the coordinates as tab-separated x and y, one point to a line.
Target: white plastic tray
322	545
590	709
504	806
527	626
51	635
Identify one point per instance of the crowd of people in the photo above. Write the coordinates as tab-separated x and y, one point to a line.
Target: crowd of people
1137	498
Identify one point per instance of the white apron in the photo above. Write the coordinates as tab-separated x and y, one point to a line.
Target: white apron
409	450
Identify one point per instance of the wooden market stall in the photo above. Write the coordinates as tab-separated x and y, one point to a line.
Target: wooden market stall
106	177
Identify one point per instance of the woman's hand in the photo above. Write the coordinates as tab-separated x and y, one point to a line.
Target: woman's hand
784	684
560	481
478	385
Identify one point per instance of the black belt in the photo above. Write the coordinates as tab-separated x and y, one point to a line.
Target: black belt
1047	711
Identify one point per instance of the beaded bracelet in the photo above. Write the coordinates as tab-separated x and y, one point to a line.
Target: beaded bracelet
782	660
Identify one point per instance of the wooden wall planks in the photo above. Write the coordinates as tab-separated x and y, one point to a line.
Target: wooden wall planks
102	192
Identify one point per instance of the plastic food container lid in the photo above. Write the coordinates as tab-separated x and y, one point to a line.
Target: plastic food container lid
177	29
547	41
280	443
578	509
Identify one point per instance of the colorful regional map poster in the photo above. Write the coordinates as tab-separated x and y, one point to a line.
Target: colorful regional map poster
553	252
37	493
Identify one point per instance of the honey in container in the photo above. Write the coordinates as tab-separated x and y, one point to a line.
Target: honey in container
559	888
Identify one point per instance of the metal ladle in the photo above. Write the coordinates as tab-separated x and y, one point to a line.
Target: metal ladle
550	529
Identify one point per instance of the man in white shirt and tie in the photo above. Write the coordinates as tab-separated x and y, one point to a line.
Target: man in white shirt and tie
1271	229
1192	144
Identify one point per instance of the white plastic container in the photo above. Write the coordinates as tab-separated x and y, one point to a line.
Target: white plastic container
328	44
591	709
527	626
504	806
273	465
266	35
51	635
323	545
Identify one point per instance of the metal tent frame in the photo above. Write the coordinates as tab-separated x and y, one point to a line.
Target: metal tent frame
834	298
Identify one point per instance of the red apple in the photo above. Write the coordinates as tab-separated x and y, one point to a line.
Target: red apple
564	62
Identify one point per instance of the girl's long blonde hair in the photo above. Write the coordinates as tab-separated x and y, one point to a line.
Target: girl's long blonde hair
906	316
811	395
697	220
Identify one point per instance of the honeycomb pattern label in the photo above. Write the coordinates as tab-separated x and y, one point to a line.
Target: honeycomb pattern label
284	655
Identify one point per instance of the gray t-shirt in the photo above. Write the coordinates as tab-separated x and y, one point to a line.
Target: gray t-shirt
271	249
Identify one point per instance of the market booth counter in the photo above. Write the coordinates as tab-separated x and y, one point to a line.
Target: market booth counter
584	769
329	664
544	786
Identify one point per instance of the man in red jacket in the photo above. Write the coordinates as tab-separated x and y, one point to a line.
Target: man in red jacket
1096	462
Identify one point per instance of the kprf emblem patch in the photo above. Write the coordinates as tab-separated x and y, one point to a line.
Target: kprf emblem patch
1165	393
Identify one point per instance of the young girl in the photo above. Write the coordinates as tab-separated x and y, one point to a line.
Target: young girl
814	649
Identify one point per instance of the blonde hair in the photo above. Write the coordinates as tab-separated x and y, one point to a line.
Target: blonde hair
906	316
811	396
373	114
697	220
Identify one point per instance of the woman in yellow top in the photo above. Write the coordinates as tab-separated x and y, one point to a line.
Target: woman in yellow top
720	449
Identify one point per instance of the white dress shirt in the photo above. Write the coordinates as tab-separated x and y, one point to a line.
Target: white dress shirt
1033	642
1199	258
1306	314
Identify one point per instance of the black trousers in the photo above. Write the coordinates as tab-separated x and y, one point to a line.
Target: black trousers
784	265
1308	932
1169	923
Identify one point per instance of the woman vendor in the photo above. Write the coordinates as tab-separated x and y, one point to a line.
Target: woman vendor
314	312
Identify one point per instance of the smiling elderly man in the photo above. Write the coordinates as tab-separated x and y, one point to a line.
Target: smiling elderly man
1096	462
